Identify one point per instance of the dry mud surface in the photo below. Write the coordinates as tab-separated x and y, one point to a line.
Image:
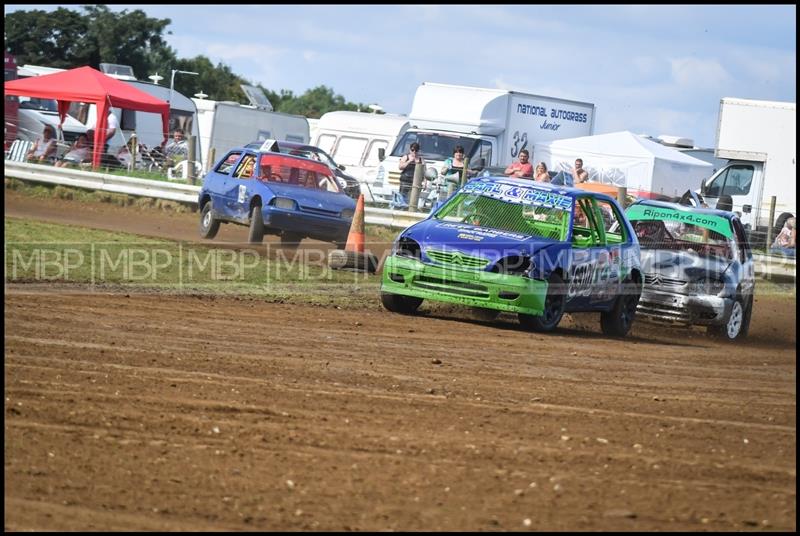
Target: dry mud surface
146	411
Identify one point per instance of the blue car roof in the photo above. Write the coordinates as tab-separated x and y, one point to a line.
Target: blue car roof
686	208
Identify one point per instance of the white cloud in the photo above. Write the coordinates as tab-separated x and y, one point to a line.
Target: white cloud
699	73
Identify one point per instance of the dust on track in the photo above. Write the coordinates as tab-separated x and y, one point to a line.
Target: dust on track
148	411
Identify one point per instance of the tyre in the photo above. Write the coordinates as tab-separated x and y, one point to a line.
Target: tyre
738	323
400	304
256	233
209	225
618	321
554	304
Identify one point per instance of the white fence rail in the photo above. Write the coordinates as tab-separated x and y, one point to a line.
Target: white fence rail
765	265
184	193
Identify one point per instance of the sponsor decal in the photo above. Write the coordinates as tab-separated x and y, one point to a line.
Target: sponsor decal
519	194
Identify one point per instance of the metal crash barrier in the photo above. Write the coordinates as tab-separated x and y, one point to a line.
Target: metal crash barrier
766	266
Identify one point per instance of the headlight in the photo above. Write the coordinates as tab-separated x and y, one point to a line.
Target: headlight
284	203
406	247
348	213
710	287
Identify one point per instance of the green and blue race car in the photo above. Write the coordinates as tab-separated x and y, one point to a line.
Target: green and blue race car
538	250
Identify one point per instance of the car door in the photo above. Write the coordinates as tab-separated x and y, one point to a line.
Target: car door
594	273
239	185
218	184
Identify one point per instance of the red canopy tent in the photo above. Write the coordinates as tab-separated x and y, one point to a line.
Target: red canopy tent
85	84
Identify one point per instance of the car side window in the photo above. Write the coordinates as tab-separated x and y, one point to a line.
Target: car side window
246	167
226	165
584	232
611	220
741	240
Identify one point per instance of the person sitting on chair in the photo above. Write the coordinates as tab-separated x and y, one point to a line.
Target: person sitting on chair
78	153
44	149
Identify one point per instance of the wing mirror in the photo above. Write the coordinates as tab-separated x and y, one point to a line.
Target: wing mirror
746	209
703	187
381	154
341	166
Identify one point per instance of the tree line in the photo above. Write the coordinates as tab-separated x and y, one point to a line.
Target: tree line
65	38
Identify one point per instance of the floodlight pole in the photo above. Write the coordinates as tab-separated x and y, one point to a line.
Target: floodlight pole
172	83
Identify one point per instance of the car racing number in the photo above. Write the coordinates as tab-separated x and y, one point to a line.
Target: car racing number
596	275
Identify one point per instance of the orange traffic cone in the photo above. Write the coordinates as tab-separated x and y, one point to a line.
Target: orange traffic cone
355	238
354	256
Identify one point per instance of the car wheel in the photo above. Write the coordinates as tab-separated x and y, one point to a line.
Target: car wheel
554	304
209	225
738	323
618	321
290	240
256	234
400	304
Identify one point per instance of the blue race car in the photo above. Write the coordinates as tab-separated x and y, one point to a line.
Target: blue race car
273	193
503	244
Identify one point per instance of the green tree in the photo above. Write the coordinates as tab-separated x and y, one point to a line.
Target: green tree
66	39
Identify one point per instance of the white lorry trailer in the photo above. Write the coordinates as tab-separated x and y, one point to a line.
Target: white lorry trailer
759	138
355	140
493	126
224	125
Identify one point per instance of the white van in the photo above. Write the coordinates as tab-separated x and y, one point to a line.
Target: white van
353	139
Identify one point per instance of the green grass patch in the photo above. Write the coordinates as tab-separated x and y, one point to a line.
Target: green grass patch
38	252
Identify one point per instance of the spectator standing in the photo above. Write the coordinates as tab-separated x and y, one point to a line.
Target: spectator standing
407	165
541	174
44	148
786	241
522	168
578	173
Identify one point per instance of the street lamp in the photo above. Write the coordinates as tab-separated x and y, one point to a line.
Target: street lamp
172	83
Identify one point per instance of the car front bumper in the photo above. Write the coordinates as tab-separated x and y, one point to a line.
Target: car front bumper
308	225
410	277
704	310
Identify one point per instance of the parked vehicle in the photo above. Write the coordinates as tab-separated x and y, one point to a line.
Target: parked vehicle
10	104
697	264
224	125
759	138
538	250
355	139
274	193
347	183
493	126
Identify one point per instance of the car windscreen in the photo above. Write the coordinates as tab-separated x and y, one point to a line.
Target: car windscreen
706	235
507	207
432	145
310	153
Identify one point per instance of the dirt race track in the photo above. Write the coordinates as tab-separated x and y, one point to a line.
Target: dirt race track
143	411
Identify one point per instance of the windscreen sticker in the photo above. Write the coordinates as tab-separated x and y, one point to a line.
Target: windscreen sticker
519	194
471	233
709	221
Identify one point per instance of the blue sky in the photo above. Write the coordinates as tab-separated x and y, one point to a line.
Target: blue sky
649	69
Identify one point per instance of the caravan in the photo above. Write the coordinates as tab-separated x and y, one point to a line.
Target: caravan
224	125
354	140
